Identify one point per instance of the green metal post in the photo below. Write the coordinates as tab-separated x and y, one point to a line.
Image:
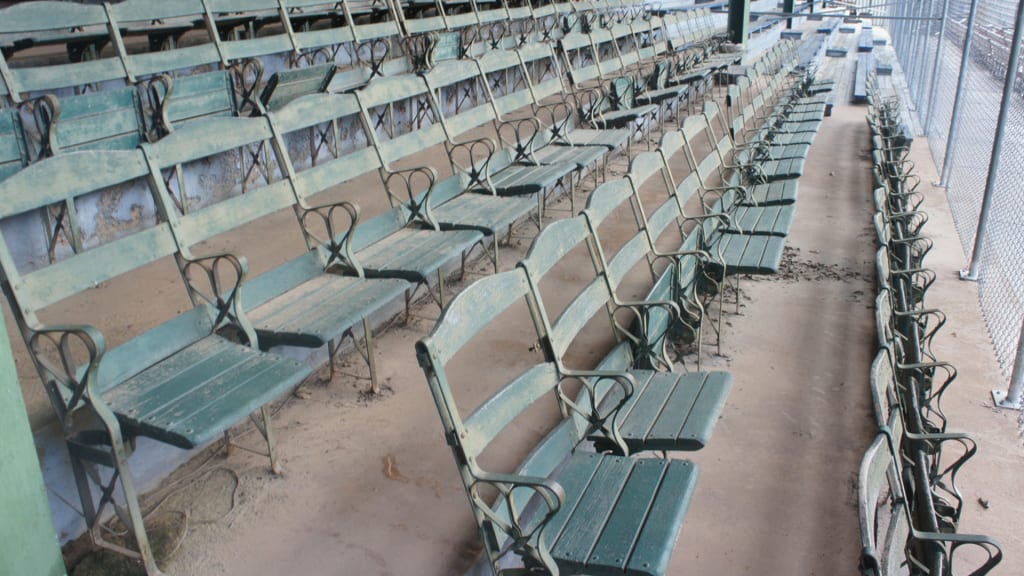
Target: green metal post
28	542
788	6
739	21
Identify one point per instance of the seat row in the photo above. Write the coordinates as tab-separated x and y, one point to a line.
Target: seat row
588	498
121	43
122	118
191	378
158	100
909	501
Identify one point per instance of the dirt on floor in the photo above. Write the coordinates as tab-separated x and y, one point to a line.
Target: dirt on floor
370	487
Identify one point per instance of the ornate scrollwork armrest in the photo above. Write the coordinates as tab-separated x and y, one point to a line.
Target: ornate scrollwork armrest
520	134
956	541
68	383
606	423
556	116
644	343
590	104
321	231
477	160
158	90
525	534
216	281
404	188
722	217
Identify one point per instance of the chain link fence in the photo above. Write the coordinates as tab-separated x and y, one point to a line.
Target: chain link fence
917	42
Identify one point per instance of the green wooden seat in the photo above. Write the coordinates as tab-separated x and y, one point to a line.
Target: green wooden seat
390	249
619	489
178	100
611	139
755	220
743	253
666	410
892	535
559	490
402	242
107	120
462	202
745	216
287	85
192	396
13	152
305	301
82	29
581	156
179	383
507	178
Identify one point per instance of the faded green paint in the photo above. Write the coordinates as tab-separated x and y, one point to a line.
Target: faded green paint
28	543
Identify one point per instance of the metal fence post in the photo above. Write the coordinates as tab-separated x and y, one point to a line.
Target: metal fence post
936	73
925	75
958	100
1011	398
997	146
924	35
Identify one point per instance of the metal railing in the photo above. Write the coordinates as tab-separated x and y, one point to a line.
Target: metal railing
961	60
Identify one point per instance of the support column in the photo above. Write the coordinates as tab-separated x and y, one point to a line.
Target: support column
936	69
788	6
28	542
954	120
739	21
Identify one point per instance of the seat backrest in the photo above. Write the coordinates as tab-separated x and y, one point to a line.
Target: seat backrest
392	141
105	120
581	61
474	309
449	82
184	99
167	53
309	111
81	182
13	152
884	524
287	85
207	141
549	248
49	22
235	29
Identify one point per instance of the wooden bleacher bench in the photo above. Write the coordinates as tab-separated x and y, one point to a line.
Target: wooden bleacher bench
865	68
889	536
909	502
644	421
181	383
313	299
543	518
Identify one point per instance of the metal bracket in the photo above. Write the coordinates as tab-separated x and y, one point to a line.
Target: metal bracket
1001	400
